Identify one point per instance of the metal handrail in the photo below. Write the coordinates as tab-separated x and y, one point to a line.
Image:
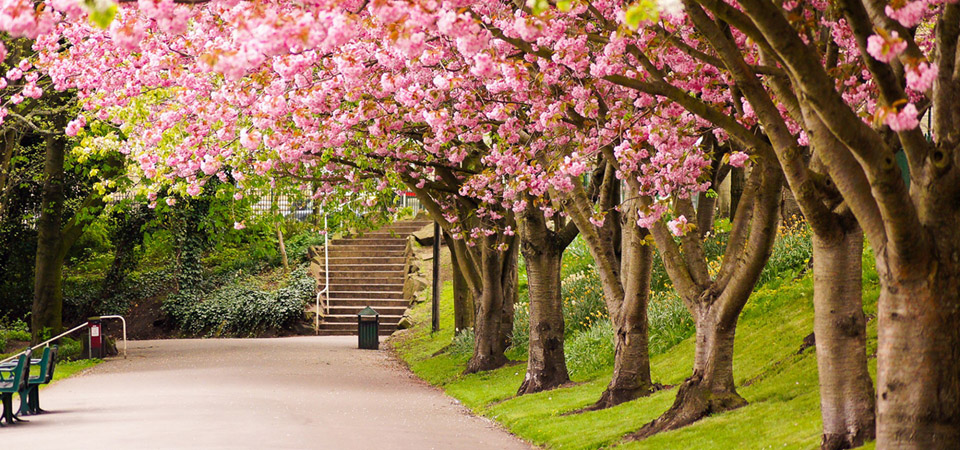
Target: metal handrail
122	320
325	292
11	358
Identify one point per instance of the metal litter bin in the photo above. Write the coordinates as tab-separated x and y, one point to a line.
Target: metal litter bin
368	328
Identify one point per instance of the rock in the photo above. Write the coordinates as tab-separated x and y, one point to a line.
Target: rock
424	236
315	270
405	322
412	285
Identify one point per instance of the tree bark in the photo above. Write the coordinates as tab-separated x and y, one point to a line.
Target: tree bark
918	386
283	249
631	337
624	275
47	315
711	388
736	190
846	391
543	253
716	302
495	298
463	308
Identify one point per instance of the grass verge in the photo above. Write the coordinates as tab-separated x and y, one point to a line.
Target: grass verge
774	374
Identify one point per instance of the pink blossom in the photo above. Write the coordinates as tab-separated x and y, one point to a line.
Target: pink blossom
239	225
14	74
483	66
210	166
171	201
238	196
597	221
75	125
905	120
885	49
738	159
922	76
250	139
910	14
193	190
32	91
678	226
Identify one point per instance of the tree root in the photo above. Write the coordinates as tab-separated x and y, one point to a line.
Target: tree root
694	402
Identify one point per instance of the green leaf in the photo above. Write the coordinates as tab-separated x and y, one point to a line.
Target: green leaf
565	5
538	6
102	12
644	10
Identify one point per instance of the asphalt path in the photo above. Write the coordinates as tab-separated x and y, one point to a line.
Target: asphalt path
286	393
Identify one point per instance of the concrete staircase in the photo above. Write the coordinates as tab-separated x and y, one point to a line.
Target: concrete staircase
367	270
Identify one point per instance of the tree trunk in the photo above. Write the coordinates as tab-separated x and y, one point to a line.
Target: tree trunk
47	315
463	308
546	363
631	367
494	306
846	391
918	359
706	213
790	212
736	190
283	249
625	287
711	388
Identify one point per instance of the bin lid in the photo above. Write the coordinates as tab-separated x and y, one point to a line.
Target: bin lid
368	311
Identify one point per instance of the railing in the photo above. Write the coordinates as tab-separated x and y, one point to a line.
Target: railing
325	292
74	329
124	322
323	296
78	327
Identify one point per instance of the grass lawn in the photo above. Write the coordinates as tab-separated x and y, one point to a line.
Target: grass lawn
778	380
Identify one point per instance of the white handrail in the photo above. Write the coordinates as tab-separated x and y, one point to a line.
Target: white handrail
11	358
124	332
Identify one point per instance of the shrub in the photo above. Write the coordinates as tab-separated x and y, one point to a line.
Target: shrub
670	322
18	330
590	351
791	251
239	309
69	350
583	304
3	344
462	343
521	327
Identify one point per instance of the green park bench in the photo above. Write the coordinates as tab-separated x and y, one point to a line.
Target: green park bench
30	400
13	378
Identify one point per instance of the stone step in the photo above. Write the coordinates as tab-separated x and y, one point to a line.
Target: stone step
377	242
349	277
339	332
336	252
351	327
371	302
355	309
372	266
352	319
352	280
389	295
366	287
336	261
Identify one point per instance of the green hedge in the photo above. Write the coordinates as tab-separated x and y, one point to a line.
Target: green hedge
241	310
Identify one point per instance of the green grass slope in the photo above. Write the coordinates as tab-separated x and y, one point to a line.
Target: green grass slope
776	377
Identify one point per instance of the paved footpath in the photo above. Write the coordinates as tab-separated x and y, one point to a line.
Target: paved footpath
288	393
